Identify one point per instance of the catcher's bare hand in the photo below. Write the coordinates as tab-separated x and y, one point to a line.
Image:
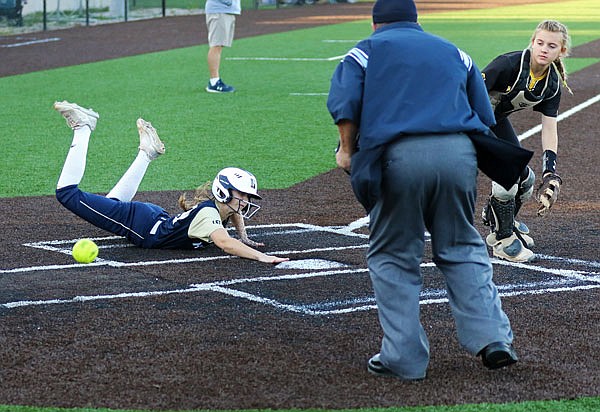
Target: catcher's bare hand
547	192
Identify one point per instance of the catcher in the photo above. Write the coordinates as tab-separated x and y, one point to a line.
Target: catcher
515	81
203	221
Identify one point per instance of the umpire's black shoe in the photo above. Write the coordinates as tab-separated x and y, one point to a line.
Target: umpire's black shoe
377	368
498	355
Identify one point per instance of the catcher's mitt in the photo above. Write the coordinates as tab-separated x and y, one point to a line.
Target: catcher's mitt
547	192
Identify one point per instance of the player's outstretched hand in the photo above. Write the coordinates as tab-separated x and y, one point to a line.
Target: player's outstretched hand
547	192
274	259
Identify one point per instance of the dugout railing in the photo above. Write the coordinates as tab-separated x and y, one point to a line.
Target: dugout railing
12	10
43	15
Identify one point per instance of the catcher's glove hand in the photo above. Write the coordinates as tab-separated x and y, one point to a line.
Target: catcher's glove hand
547	192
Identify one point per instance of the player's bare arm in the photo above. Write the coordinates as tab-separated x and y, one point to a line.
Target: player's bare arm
240	226
549	134
227	244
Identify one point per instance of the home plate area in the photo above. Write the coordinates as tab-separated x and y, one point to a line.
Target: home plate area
326	275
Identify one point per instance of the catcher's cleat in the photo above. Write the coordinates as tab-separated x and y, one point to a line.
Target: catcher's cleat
149	140
498	355
510	248
521	227
527	240
76	116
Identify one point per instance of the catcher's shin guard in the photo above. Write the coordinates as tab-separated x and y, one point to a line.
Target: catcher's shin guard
507	243
525	190
499	215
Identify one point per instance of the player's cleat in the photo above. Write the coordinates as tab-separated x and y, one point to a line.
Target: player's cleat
76	116
149	140
521	227
219	87
498	355
522	232
510	248
375	367
525	239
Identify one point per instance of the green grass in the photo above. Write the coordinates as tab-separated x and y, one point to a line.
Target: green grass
577	405
281	137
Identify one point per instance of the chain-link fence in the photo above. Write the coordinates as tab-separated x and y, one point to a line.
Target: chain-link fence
20	16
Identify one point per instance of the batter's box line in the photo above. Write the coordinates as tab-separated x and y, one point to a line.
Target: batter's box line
222	287
57	246
569	273
430	297
309	309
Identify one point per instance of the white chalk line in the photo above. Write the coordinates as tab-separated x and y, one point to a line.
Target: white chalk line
54	246
28	43
340	41
552	286
521	137
287	59
561	117
429	297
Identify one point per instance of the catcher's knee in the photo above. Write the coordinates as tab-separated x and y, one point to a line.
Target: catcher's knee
500	193
525	190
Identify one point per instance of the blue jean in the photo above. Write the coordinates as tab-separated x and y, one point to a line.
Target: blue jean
429	182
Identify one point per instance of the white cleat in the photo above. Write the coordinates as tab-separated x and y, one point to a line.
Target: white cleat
525	239
510	248
149	140
76	116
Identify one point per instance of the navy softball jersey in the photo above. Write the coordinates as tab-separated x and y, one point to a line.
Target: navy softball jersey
144	224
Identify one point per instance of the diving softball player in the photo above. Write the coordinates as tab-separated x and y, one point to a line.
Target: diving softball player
203	221
515	81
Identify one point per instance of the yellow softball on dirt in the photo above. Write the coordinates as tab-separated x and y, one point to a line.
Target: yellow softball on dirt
85	251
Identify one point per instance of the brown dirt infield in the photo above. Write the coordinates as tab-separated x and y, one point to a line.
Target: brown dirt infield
236	334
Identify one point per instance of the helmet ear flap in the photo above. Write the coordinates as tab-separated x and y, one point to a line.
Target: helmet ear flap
220	192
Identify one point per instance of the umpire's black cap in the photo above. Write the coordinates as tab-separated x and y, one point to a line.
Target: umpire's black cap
389	11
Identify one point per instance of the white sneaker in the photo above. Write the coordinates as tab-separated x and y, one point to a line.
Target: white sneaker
149	141
76	116
510	248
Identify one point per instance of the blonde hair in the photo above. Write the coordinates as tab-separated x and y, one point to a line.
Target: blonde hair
554	26
201	194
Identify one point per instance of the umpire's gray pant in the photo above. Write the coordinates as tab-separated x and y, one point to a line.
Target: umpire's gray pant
429	182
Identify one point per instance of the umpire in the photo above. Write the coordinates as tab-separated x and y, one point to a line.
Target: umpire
407	105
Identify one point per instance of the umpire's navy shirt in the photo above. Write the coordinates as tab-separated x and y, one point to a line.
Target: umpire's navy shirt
396	82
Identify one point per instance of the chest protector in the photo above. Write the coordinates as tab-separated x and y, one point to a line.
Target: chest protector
518	96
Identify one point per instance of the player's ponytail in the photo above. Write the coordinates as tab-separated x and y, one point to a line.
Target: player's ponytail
562	71
201	194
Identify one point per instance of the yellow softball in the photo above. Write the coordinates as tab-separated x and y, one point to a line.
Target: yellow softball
85	251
